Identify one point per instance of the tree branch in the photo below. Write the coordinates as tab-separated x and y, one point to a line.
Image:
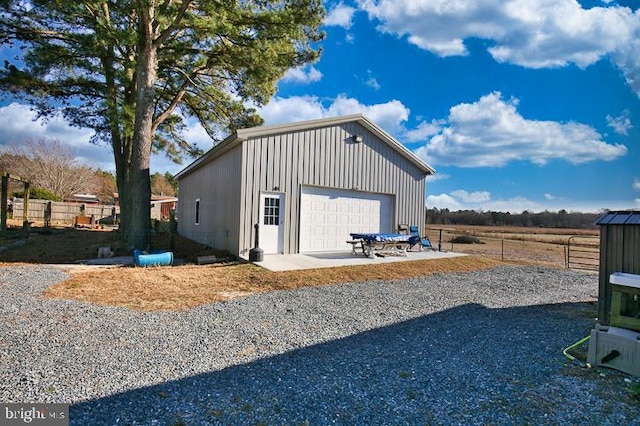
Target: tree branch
176	22
179	95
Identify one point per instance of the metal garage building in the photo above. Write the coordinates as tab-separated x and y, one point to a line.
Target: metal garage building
307	185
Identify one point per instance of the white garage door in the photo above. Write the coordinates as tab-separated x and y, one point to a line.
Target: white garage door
329	215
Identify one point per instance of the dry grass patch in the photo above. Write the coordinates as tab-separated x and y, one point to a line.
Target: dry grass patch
539	246
184	287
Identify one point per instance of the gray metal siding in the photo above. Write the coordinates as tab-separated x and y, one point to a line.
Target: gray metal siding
619	252
218	186
325	157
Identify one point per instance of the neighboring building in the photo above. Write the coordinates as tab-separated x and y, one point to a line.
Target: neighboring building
308	185
161	206
83	199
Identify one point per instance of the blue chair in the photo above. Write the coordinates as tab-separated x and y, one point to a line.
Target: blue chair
424	241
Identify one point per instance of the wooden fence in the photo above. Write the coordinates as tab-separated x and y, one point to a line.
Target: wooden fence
61	212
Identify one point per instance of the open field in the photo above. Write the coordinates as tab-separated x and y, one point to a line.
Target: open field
543	246
183	287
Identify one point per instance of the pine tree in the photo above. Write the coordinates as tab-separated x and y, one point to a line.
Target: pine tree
134	70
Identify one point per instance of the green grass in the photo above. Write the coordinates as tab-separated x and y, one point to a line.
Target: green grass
634	389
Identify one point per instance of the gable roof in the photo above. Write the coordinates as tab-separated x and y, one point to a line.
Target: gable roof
243	134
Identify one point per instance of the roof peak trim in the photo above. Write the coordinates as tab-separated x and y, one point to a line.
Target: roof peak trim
243	134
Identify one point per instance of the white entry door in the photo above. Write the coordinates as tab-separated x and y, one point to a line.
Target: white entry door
271	223
329	215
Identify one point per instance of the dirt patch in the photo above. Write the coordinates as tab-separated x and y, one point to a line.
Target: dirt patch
68	245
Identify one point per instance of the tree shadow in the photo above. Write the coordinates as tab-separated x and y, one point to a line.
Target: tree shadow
465	365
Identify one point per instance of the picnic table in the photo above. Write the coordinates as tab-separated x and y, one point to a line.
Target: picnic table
381	244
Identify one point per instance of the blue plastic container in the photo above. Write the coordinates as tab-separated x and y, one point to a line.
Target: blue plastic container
158	258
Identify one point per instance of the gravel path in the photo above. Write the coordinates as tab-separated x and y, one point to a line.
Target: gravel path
469	348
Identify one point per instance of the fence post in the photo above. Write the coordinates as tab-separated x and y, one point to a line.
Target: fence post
3	207
502	250
172	229
47	215
25	211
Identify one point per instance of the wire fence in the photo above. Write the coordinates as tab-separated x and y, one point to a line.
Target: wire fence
583	253
548	249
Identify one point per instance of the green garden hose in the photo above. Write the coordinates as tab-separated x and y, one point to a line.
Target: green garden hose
575	345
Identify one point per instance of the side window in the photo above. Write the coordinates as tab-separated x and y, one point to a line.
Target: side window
271	211
197	211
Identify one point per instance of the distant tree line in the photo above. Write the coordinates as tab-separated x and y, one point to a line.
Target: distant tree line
545	219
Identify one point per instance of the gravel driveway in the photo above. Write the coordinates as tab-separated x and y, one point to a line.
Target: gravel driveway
468	348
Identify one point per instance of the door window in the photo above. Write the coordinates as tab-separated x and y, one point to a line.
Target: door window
271	211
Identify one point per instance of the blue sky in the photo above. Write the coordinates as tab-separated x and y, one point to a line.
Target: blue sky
518	104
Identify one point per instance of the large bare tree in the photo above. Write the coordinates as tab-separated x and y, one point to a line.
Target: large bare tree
50	164
133	70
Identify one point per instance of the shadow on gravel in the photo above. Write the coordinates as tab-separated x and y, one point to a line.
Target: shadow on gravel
466	365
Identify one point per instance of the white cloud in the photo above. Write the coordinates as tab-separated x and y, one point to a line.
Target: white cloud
627	59
424	130
636	184
436	177
472	197
389	115
484	201
530	33
491	133
621	124
18	124
340	16
305	75
480	201
292	109
373	83
443	201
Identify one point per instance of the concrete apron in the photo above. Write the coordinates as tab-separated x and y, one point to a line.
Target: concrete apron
293	262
